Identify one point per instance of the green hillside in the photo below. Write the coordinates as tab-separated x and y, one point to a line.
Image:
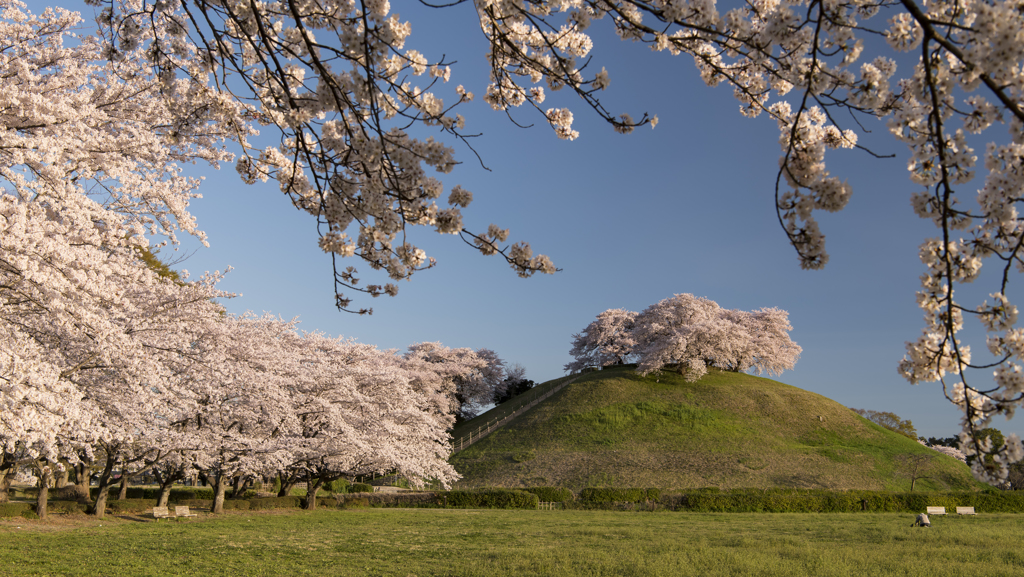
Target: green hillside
728	430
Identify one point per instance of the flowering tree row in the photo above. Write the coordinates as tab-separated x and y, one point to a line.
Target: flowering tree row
109	359
690	334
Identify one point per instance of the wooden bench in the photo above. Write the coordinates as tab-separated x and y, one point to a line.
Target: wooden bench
162	513
965	511
936	511
182	511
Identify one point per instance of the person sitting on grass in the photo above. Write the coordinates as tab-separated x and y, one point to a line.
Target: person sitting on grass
922	521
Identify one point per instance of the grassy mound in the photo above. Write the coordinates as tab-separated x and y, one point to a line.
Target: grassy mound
728	430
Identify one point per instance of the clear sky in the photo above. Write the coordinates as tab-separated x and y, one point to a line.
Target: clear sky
631	219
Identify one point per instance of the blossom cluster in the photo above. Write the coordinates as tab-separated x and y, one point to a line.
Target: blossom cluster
690	334
338	82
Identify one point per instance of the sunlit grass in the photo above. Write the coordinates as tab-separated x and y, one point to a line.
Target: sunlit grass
400	543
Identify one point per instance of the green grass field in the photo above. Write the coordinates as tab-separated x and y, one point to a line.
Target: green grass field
405	542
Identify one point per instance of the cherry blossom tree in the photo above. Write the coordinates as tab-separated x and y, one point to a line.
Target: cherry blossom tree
607	341
462	380
693	333
359	413
243	407
88	167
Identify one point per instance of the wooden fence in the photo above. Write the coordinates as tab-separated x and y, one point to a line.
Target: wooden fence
489	427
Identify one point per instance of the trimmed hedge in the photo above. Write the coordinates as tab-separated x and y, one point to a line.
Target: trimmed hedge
131	505
609	495
197	503
403	500
821	501
490	499
15	509
180	494
360	488
551	494
263	503
66	507
337	486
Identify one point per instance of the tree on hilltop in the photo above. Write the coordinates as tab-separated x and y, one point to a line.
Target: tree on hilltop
689	334
607	341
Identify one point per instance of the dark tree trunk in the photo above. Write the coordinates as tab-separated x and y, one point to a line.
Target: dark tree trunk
6	476
287	483
241	485
63	476
313	485
220	485
82	473
99	508
46	475
166	482
123	493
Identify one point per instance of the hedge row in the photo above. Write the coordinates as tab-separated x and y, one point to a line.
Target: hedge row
491	499
599	495
551	494
183	494
15	509
821	501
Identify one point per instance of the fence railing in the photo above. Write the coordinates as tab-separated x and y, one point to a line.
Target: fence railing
489	427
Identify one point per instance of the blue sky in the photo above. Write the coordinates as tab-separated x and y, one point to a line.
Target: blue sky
631	219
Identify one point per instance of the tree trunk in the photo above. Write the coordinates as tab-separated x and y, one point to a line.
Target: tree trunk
62	476
123	493
286	486
82	473
166	482
99	509
220	486
240	486
313	485
6	476
46	475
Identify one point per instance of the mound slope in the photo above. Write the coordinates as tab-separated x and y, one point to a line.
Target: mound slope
728	430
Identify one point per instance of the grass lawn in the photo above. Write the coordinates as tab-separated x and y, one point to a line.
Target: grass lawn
421	542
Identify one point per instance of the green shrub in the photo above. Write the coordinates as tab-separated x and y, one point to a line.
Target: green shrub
821	501
551	494
360	488
491	499
131	505
608	495
196	503
277	485
235	504
29	515
14	509
66	507
263	503
337	486
358	502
